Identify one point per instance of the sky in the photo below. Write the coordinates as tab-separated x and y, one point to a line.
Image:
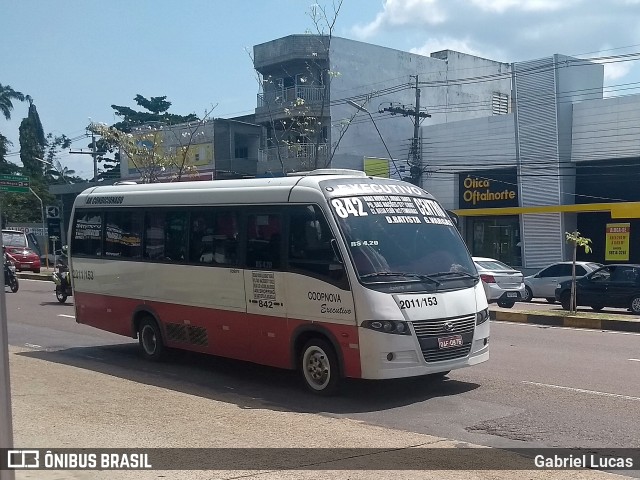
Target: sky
76	58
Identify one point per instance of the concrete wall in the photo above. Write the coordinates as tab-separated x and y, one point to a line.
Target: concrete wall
477	144
606	129
366	69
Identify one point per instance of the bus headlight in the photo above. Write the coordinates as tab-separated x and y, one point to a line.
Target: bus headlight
387	326
482	316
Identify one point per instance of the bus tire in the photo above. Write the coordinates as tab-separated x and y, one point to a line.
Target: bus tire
319	367
150	340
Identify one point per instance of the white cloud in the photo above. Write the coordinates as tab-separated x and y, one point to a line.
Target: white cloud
500	6
398	13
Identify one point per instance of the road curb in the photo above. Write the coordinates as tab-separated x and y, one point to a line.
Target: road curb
623	325
35	276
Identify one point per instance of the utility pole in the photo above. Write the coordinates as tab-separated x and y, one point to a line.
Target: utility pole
415	162
93	153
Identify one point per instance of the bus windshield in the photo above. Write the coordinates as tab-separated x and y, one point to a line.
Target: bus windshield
396	239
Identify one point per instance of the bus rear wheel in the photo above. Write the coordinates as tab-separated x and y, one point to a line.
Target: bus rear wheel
319	367
150	339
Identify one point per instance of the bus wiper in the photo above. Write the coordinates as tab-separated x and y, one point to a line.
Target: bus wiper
460	274
401	274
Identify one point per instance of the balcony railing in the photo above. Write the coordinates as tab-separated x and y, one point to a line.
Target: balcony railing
288	95
296	157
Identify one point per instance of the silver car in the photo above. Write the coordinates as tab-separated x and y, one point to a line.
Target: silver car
543	284
502	284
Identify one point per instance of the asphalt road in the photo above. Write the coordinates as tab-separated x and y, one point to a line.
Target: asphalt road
543	386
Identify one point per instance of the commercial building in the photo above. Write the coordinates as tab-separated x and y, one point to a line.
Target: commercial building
564	148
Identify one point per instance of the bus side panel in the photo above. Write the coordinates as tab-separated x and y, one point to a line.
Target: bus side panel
205	330
105	312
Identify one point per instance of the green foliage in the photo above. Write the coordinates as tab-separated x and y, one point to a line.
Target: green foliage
25	207
32	144
6	167
7	95
157	112
578	241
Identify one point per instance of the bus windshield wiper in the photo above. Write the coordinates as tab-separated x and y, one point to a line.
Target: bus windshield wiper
460	274
416	276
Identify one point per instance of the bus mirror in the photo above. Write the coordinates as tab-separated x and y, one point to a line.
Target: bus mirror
336	250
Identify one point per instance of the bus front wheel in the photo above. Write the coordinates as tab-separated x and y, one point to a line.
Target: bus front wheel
319	366
150	339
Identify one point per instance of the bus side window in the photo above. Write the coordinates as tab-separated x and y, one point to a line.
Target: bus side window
87	233
264	232
310	250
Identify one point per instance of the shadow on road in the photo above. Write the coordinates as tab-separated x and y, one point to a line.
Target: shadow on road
249	385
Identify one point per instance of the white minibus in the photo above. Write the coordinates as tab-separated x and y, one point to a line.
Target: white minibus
332	272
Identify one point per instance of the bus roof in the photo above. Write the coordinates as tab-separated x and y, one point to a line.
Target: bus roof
240	191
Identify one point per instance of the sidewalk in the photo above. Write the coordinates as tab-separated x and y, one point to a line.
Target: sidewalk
597	321
57	405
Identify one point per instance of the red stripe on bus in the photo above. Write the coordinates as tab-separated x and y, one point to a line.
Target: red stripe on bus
255	338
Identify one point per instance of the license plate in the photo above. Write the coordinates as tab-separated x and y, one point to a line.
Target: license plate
512	294
450	342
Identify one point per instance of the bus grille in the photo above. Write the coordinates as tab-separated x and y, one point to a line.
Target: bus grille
179	332
437	355
428	332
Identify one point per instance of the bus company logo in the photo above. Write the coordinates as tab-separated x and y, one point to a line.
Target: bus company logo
111	200
23	459
447	326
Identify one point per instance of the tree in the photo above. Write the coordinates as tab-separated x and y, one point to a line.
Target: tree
7	95
578	241
157	150
55	172
157	112
32	143
152	129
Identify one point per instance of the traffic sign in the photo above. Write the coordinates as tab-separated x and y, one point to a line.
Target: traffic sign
14	183
53	211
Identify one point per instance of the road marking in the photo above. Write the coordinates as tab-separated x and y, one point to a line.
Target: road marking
66	316
32	345
634	359
581	390
535	325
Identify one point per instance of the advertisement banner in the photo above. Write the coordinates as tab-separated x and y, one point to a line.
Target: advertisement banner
488	188
617	242
376	167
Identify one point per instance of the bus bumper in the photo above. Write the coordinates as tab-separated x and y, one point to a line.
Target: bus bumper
385	355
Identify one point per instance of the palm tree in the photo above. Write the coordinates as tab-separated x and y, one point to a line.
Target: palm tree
59	173
7	95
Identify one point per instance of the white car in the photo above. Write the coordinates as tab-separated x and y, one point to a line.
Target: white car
543	284
502	284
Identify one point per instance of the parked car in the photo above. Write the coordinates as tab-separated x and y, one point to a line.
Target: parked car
502	284
24	258
543	284
616	286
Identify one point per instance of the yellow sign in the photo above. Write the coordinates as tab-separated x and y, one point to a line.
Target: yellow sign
376	167
617	242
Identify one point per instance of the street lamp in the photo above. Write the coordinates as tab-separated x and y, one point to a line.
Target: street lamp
361	108
44	230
